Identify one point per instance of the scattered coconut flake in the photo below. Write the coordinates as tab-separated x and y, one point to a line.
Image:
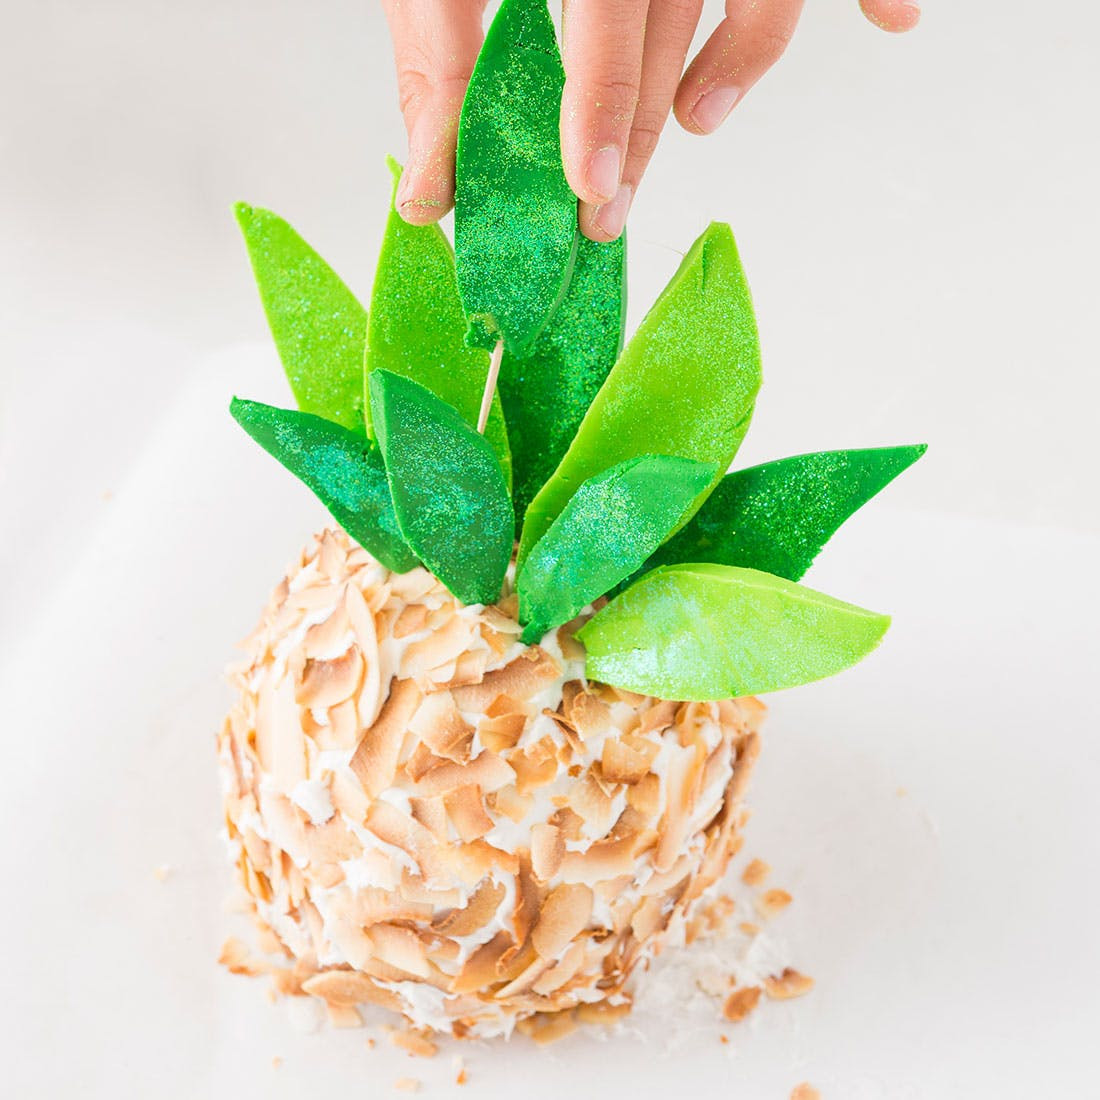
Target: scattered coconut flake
790	983
772	901
755	873
740	1003
805	1091
163	873
407	1084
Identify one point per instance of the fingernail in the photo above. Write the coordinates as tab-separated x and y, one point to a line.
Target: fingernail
404	189
711	110
604	168
611	217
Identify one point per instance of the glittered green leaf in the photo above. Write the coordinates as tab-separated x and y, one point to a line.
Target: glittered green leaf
319	327
703	632
613	523
342	469
448	489
515	215
777	517
547	393
687	381
416	325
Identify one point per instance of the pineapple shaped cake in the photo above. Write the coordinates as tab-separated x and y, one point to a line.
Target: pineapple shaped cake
494	727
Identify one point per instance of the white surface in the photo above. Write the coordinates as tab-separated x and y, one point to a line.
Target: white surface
933	812
918	221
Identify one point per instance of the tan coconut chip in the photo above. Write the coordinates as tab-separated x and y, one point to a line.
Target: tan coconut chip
440	647
388	823
375	760
328	638
805	1091
407	1084
602	1012
486	770
547	850
501	732
339	987
480	970
413	585
528	674
467	812
400	947
755	873
772	901
547	1027
623	764
326	683
472	862
439	725
551	980
571	824
590	800
280	743
412	619
479	910
331	842
564	914
602	860
421	761
648	917
343	1016
236	957
414	1042
535	766
740	1003
459	1067
645	795
509	802
432	814
789	984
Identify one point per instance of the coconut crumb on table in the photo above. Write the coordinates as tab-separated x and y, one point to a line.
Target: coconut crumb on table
407	1084
755	873
772	901
740	1003
276	1062
789	984
163	873
805	1091
459	1067
416	1043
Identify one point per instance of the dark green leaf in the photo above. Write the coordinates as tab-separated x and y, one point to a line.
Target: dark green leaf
686	381
547	393
342	469
777	517
416	325
319	327
704	632
448	490
613	523
515	215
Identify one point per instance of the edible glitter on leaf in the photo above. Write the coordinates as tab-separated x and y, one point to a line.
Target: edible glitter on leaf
705	632
614	521
547	392
448	490
515	214
319	327
416	325
776	517
342	469
685	382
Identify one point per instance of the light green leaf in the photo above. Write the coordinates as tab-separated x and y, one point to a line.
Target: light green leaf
704	632
613	523
777	517
448	490
547	393
342	469
515	214
319	327
416	325
686	381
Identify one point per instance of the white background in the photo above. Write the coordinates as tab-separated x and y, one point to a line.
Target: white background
918	219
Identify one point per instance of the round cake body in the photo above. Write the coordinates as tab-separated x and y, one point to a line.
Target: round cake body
430	815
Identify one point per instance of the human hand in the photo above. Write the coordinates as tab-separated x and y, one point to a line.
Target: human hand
624	66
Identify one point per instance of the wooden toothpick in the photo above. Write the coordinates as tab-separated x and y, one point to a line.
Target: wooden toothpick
490	386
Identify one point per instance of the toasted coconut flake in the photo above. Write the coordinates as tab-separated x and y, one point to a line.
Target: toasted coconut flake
501	732
375	685
413	585
472	862
441	647
509	802
547	1027
439	725
740	1003
421	762
467	812
340	987
375	760
755	873
551	980
480	970
589	715
329	638
591	800
331	842
547	850
789	984
469	668
535	766
564	914
480	909
389	824
772	901
648	917
623	764
407	1084
487	771
412	619
414	1042
528	674
603	1012
805	1091
343	1016
326	683
432	814
400	947
602	860
238	959
280	743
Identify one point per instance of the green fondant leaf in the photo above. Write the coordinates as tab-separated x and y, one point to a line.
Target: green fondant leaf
777	517
416	325
704	632
448	489
547	393
342	469
515	215
613	523
687	380
319	327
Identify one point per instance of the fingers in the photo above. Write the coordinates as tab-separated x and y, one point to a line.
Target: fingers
892	15
745	45
435	46
669	27
602	43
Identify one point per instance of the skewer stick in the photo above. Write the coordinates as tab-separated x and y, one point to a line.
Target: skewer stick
490	386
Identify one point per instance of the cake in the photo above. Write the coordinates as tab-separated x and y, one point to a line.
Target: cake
493	730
